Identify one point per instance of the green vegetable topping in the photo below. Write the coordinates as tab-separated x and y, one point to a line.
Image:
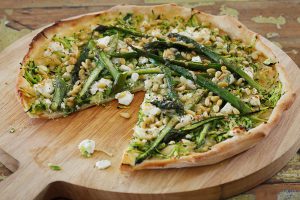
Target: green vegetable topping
54	167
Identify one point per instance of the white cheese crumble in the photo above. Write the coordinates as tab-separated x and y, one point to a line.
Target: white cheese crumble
150	110
254	100
45	88
140	132
143	60
135	77
43	69
190	84
159	78
147	133
174	30
188	136
100	85
196	59
121	45
47	102
115	60
124	98
203	34
184	120
125	68
103	164
249	71
227	109
87	147
56	46
148	83
231	79
156	33
103	42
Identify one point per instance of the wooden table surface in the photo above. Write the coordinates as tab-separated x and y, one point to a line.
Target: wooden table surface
277	20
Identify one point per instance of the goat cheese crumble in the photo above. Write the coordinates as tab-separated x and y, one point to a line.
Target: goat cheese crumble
45	88
87	147
100	85
103	164
124	98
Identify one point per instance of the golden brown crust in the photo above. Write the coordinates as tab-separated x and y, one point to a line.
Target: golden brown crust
231	26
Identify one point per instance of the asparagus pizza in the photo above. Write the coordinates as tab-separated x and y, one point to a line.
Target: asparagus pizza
212	87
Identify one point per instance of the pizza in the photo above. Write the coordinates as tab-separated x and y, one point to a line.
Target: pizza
212	87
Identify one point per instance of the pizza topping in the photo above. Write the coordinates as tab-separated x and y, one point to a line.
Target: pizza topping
45	88
124	98
249	71
103	164
54	167
149	109
87	147
103	42
135	77
196	59
229	109
100	86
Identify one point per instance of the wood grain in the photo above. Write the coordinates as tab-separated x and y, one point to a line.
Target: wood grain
39	142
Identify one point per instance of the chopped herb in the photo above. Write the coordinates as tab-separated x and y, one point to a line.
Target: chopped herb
54	167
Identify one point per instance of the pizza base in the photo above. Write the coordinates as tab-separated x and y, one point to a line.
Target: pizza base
231	26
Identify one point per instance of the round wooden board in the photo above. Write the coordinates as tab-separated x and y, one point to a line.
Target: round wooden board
38	142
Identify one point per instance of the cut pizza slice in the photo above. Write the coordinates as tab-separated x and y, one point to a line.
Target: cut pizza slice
213	89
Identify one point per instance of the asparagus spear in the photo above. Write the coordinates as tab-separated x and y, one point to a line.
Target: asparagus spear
193	21
83	56
59	92
168	104
124	55
200	123
189	65
158	140
113	43
203	82
94	74
119	78
103	28
165	45
199	48
194	65
208	84
176	135
200	138
197	96
155	70
172	95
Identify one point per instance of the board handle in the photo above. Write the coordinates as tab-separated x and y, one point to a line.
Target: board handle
26	182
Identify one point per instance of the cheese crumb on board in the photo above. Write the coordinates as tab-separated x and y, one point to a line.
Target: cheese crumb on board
87	147
103	164
124	98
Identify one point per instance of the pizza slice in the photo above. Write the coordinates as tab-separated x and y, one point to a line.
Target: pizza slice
213	88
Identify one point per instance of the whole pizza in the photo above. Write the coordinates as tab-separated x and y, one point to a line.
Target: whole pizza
212	88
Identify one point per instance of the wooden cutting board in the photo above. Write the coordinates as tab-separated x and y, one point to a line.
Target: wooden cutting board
38	142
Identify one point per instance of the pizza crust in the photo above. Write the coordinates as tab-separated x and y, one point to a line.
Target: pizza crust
231	26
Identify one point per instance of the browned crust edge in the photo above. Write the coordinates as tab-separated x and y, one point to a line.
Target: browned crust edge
230	25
